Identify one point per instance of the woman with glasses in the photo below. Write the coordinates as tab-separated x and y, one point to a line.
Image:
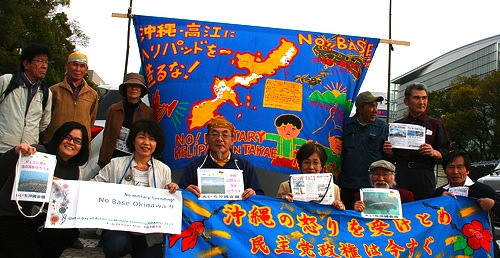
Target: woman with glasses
21	236
311	158
142	168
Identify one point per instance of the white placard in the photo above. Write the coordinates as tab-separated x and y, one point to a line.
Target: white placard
220	184
406	136
121	141
313	187
115	207
33	179
459	191
381	203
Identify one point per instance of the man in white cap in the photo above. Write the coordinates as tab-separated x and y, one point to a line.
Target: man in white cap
73	99
362	143
383	175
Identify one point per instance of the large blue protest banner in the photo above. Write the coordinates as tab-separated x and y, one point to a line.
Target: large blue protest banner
265	226
280	88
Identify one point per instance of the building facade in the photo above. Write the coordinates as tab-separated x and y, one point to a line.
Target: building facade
478	58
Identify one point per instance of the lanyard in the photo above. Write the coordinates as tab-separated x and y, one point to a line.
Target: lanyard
129	166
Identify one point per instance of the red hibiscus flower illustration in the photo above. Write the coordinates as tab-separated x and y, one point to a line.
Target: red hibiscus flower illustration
189	236
477	236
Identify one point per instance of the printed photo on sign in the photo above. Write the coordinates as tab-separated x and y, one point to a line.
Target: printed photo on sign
406	136
34	180
381	203
312	187
220	184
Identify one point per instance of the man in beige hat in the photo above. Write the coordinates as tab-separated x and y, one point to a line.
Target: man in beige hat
220	138
120	117
73	99
383	175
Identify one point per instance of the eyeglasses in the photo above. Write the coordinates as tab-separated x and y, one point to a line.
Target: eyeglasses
224	136
69	138
384	175
307	163
38	60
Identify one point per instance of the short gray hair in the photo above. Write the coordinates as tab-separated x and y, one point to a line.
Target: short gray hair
414	86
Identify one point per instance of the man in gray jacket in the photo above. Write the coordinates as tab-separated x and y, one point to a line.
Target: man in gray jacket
25	101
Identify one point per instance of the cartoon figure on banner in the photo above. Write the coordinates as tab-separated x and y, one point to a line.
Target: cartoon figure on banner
287	143
333	153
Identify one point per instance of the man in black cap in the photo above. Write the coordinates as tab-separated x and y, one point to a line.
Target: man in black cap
362	143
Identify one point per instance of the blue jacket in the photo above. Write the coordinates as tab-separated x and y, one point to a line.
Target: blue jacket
250	180
360	149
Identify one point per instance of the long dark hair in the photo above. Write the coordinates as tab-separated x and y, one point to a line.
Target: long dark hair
153	129
61	133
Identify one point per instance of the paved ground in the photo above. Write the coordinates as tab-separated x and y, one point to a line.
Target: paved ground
90	249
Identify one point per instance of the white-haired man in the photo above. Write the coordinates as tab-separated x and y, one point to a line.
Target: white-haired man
383	175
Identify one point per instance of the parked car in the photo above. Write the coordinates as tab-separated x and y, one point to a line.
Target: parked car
493	180
110	95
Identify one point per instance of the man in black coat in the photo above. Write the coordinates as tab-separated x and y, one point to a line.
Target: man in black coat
457	165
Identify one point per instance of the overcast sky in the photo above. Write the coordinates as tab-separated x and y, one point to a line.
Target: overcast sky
433	27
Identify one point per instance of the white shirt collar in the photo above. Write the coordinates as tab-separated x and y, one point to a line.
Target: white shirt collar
468	182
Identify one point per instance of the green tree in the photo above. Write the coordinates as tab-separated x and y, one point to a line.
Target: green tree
469	110
27	21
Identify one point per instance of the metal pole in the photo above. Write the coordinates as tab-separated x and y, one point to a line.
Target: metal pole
389	66
129	15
